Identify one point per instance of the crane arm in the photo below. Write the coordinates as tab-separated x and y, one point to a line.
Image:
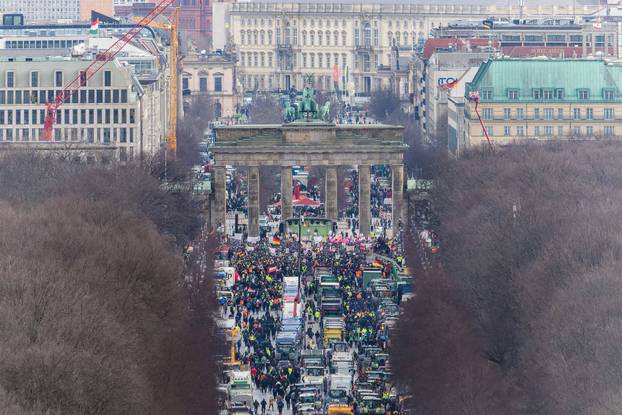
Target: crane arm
101	59
474	96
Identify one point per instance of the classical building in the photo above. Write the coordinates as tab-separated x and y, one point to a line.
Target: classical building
211	74
121	113
308	144
279	43
544	99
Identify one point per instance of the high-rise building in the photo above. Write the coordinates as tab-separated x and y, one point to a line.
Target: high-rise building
37	11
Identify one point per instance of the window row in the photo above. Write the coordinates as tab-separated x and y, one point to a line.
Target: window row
69	117
84	96
86	135
323	60
550	114
257	59
43	44
550	131
551	94
10	79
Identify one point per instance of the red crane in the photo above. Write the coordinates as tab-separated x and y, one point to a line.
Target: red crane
101	59
474	97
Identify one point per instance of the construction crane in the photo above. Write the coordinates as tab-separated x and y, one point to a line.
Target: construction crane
173	60
101	59
474	97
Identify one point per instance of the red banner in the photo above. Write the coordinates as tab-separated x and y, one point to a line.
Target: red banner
336	73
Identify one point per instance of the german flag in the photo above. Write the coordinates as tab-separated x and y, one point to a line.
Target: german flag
377	263
276	241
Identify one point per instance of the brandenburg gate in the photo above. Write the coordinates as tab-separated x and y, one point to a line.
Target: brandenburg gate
307	138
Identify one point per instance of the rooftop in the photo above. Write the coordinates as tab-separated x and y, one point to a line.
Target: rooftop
568	75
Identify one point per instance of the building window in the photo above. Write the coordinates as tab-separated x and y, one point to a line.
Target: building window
489	131
608	94
536	131
487	94
506	130
520	131
184	83
560	113
536	113
609	131
520	113
34	79
547	94
589	130
560	130
10	79
217	84
537	94
203	84
583	94
576	131
548	131
513	94
548	113
107	78
487	113
559	94
507	113
344	37
576	113
608	113
58	79
589	113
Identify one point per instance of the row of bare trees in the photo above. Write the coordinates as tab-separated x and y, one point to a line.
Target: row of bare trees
520	315
95	312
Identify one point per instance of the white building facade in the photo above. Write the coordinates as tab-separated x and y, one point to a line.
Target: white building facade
36	11
279	45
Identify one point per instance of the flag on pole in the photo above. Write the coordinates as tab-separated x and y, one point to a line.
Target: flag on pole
276	241
94	27
347	72
448	85
336	73
377	263
598	24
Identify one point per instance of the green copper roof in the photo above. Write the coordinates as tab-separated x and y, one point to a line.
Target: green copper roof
525	75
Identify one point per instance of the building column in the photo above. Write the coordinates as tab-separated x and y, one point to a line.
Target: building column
253	201
330	195
397	191
364	199
220	200
286	192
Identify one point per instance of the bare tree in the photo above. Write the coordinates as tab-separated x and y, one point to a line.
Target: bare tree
384	104
265	110
530	250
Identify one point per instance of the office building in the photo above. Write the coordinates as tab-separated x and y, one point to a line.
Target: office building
121	113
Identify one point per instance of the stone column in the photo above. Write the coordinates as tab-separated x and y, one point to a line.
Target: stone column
397	178
220	199
253	201
364	199
286	192
330	195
